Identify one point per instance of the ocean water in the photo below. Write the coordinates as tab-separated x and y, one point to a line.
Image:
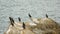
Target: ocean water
21	8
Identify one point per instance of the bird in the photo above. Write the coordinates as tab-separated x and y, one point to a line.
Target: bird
19	18
24	26
46	16
29	15
12	21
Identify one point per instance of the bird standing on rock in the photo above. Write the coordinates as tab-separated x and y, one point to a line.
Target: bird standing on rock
19	18
46	16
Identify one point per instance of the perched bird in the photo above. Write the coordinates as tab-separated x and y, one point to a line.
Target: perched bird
24	25
12	21
19	18
46	16
29	15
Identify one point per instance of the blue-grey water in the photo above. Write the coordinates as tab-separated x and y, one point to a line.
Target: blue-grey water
21	8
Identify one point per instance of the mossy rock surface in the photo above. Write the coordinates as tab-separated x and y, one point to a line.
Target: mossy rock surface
47	23
47	26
